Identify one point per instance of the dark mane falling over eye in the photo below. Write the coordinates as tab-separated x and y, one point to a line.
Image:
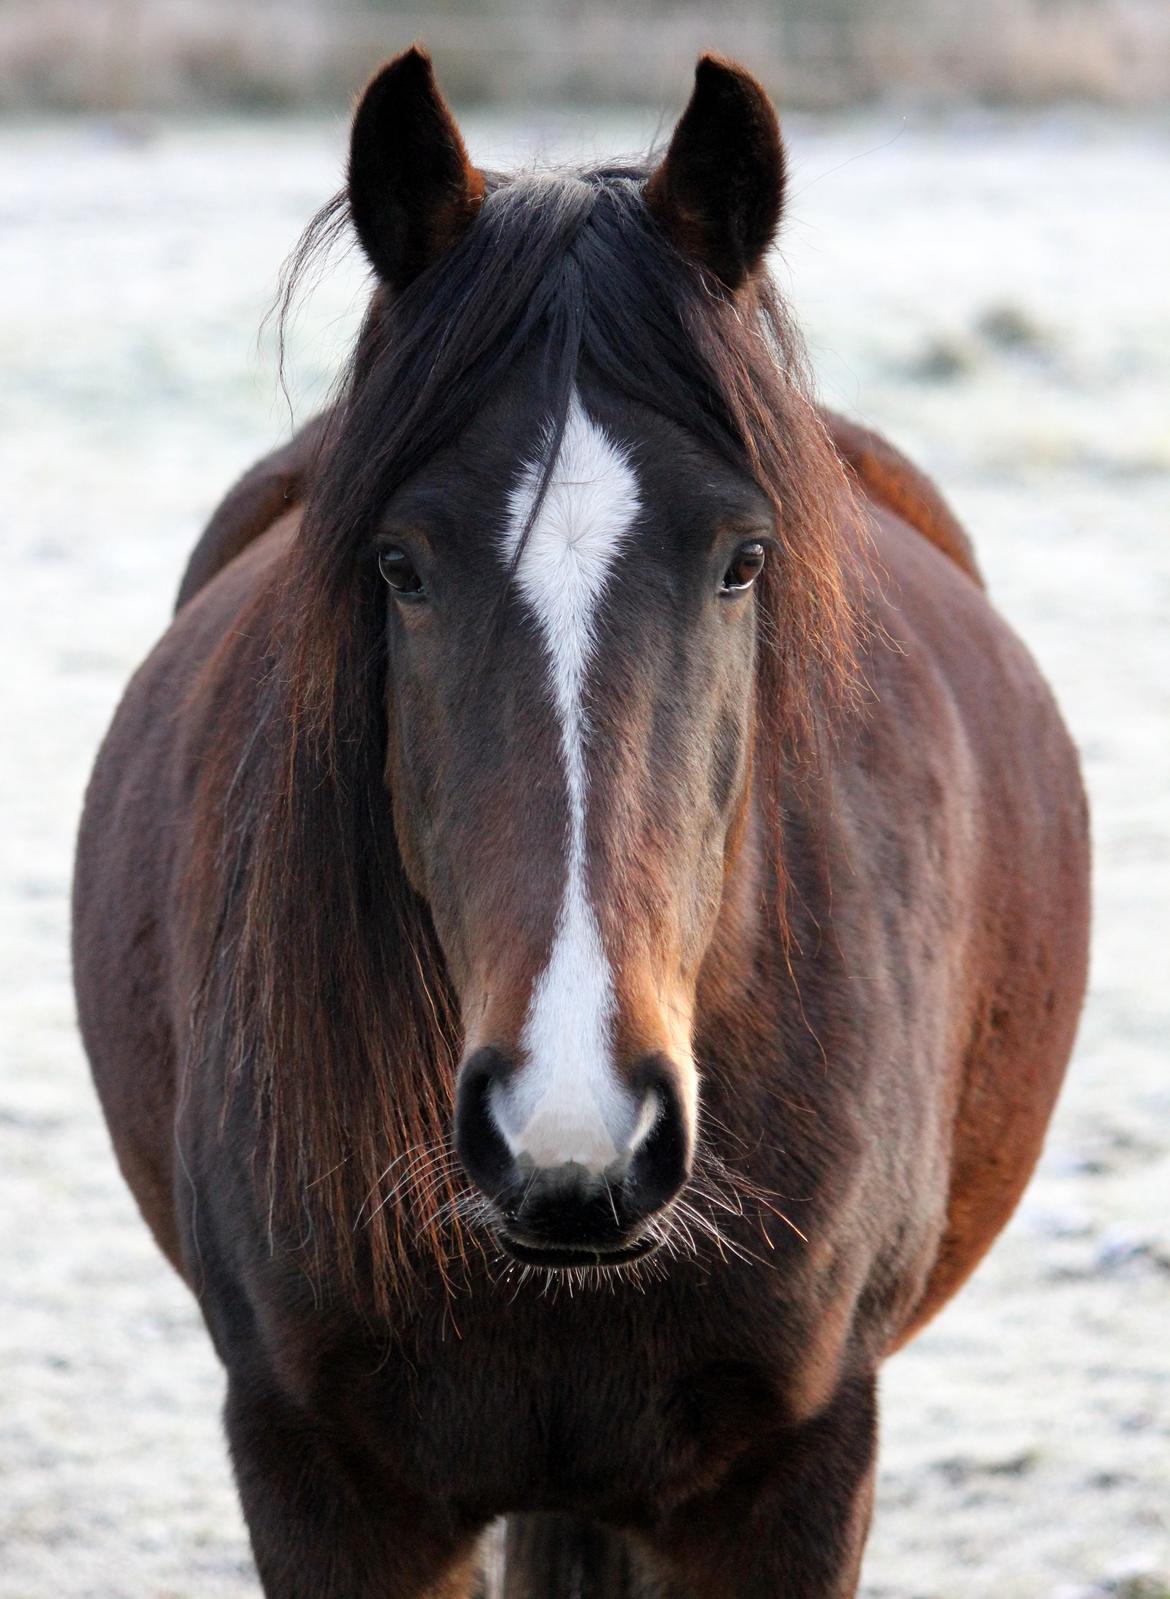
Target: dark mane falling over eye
571	265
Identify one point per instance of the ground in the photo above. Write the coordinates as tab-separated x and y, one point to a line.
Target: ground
991	291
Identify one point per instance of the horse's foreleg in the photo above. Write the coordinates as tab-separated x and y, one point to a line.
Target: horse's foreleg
791	1522
324	1526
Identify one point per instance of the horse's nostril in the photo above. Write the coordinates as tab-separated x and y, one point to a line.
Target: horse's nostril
478	1141
660	1164
653	1107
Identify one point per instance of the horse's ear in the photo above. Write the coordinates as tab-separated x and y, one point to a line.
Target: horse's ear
412	190
720	188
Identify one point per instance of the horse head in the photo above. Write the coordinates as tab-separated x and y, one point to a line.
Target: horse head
575	490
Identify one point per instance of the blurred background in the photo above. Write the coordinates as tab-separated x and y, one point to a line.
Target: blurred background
977	243
104	55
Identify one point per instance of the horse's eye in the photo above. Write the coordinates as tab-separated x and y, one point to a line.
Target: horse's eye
746	565
399	571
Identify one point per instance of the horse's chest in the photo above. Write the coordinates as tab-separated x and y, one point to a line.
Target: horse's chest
578	1427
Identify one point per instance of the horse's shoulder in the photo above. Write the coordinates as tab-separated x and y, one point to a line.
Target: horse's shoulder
888	477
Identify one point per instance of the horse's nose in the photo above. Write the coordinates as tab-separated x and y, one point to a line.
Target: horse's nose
589	1208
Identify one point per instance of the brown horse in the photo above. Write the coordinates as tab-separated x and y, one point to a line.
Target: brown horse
581	921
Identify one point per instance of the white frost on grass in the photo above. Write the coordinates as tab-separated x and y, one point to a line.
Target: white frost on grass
1026	1442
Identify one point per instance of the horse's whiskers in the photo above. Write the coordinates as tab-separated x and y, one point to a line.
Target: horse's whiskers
429	1169
727	1189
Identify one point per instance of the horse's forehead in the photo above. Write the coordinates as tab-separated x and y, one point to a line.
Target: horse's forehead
566	528
613	452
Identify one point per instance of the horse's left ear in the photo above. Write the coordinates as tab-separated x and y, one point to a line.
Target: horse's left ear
412	189
720	188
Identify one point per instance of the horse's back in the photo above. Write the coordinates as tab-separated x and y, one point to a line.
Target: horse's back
890	479
266	492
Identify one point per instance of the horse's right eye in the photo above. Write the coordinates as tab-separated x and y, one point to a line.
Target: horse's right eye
746	566
399	571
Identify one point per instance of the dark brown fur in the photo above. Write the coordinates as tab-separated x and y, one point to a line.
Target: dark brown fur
881	1016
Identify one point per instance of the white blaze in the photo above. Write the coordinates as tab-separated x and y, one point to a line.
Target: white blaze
566	1103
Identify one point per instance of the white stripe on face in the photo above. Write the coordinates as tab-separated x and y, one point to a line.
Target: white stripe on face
566	1103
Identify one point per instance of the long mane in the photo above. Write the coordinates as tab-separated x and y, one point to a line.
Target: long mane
325	997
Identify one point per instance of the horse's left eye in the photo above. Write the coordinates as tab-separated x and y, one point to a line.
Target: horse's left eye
400	573
746	566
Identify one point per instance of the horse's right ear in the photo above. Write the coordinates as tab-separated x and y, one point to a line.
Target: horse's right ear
412	190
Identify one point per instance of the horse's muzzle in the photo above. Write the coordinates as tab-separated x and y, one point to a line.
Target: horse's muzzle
569	1215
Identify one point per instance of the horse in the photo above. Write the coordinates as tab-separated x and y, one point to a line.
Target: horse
581	920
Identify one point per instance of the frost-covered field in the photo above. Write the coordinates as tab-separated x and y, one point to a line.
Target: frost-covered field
994	295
